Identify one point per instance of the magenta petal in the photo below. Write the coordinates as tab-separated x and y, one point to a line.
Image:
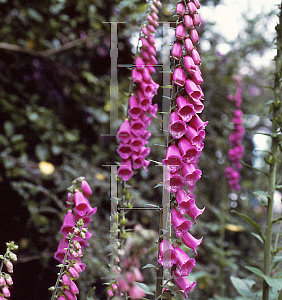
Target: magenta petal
196	20
189	64
184	262
176	51
146	75
196	57
137	160
188	45
197	104
68	224
185	109
197	123
136	76
180	9
134	109
192	8
190	241
124	150
167	256
179	222
139	63
145	31
191	175
197	78
173	182
137	127
179	77
82	204
180	32
125	170
177	127
194	36
173	159
124	132
183	282
188	22
192	89
192	210
86	188
189	152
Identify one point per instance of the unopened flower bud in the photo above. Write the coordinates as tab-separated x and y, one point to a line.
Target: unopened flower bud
9	279
76	231
114	286
83	236
77	245
86	188
66	279
77	267
9	265
2	281
110	293
6	292
13	256
73	272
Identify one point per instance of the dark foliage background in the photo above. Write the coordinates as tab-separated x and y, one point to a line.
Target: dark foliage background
55	104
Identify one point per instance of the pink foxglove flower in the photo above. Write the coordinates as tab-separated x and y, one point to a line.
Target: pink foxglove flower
173	161
182	282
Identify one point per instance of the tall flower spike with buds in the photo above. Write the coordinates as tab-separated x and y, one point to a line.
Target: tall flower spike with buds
236	151
5	278
133	133
75	237
188	132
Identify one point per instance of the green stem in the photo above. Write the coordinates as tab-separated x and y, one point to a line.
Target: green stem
62	268
273	165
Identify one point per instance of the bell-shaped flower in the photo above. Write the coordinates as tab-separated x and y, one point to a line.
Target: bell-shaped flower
82	205
197	3
146	75
144	42
180	32
73	288
134	109
190	241
196	57
136	76
86	188
124	133
173	181
60	298
151	49
66	280
154	15
137	160
188	21
125	170
184	262
6	292
191	174
145	54
146	135
197	123
151	39
150	68
180	9
173	161
151	28
197	104
144	151
145	31
61	251
144	102
68	224
184	109
137	127
192	210
182	199
179	77
188	46
192	8
177	126
179	223
189	64
146	119
153	60
196	20
139	64
176	51
167	257
192	89
70	295
196	138
189	152
152	110
124	150
183	282
197	78
194	36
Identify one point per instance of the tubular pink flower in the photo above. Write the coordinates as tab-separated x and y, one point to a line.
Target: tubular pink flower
6	292
197	78
137	127
144	42
73	272
182	282
197	104
60	298
188	46
173	159
191	174
144	102
124	150
189	152
145	54
60	253
179	222
192	8
73	288
179	77
180	32
152	110
2	281
189	64
184	262
180	9
134	109
190	241
82	205
139	64
196	57
86	188
68	223
173	182
110	293
192	89
151	39
124	132
194	36
195	137
188	22
138	161
167	257
196	20
154	15
197	3
197	123
66	280
125	170
145	31
69	295
146	75
137	76
176	51
151	28
185	109
177	127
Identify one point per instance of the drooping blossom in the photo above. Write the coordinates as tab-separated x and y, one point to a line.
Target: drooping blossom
187	131
133	134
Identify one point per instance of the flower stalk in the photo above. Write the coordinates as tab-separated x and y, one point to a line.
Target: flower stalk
276	105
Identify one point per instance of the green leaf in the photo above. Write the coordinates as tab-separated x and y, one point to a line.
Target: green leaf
150	266
263	196
144	287
269	102
254	224
243	286
257	236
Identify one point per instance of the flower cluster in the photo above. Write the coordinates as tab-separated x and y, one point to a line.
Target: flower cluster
235	140
188	132
133	133
75	237
6	279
